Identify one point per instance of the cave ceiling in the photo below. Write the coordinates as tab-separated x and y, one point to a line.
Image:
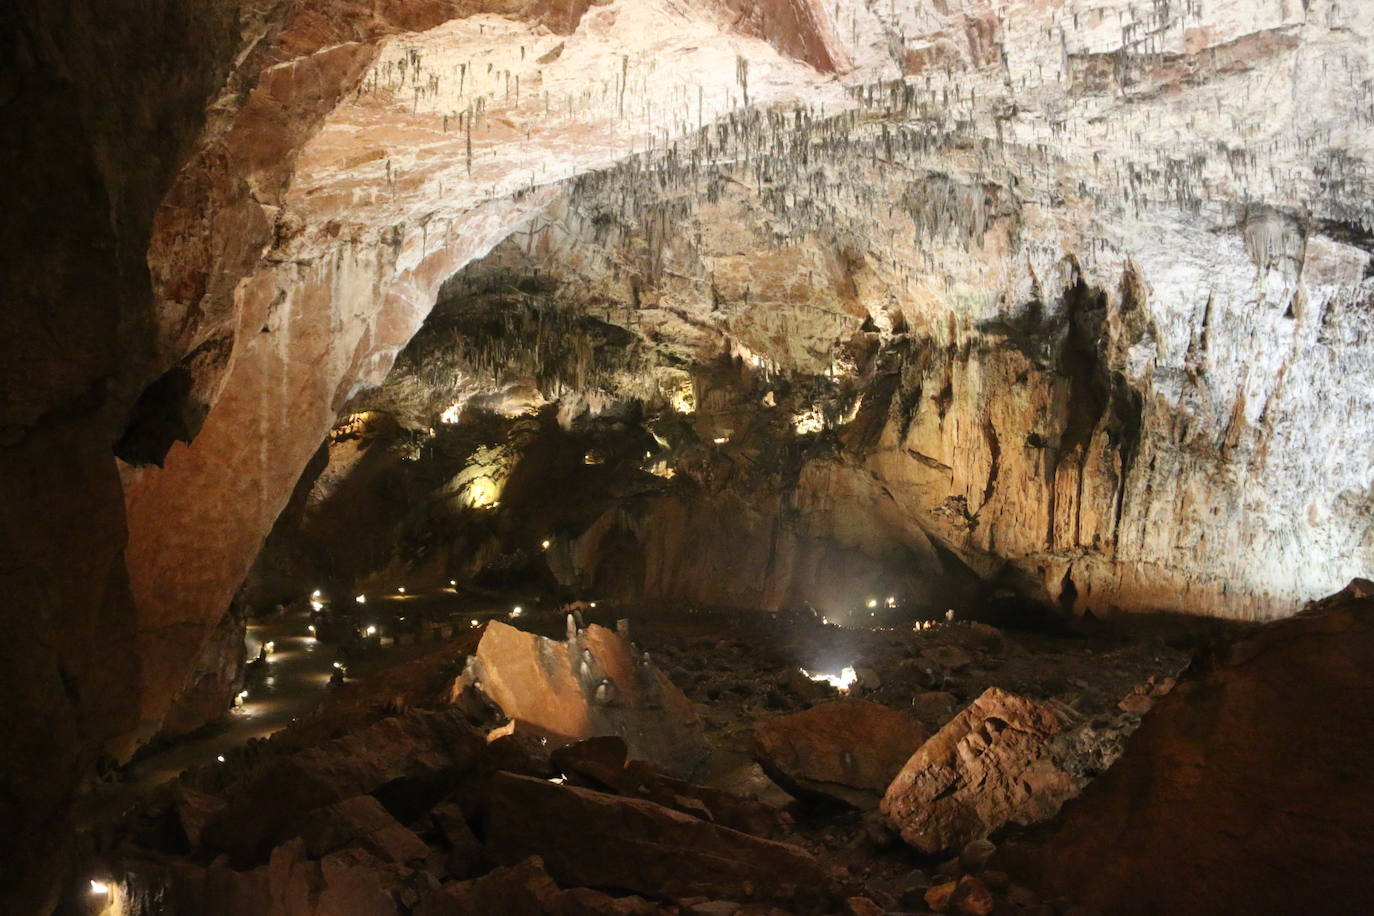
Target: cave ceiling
1114	256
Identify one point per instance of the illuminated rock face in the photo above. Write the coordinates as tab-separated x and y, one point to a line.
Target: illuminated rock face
595	683
366	159
1084	170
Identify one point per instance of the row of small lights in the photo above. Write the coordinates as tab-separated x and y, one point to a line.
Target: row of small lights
401	589
316	603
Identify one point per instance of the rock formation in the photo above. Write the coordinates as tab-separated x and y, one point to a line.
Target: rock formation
594	683
989	766
1241	778
849	750
589	838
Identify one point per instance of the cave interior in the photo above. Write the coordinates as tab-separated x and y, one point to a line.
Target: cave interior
696	457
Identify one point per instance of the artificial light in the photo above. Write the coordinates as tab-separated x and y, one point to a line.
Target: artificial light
842	681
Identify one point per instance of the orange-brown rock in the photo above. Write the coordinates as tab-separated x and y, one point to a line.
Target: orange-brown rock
601	759
594	683
466	858
972	897
624	844
989	766
939	896
847	750
1246	788
194	809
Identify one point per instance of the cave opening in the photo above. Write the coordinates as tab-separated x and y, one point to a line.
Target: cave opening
686	457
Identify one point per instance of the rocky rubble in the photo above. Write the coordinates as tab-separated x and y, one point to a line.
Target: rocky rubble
410	761
601	763
410	813
599	840
364	811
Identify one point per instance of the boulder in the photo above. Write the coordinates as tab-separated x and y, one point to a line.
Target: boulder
589	838
988	766
987	637
951	657
600	763
862	906
466	857
976	855
972	897
593	683
583	901
934	708
194	809
360	821
713	908
867	678
939	897
601	760
1246	788
353	881
349	882
523	889
408	762
518	753
846	750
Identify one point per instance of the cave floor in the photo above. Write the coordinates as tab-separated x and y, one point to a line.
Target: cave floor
292	684
739	670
